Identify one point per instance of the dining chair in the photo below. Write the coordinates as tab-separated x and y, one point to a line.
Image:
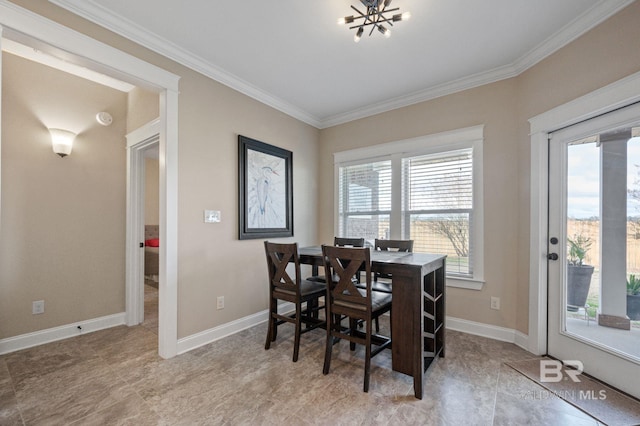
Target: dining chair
381	281
294	290
344	299
339	242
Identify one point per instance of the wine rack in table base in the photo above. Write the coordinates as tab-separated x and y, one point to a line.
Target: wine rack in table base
433	333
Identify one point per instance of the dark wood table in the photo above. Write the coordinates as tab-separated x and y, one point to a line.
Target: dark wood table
418	307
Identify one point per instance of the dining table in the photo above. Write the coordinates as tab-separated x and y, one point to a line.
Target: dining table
417	307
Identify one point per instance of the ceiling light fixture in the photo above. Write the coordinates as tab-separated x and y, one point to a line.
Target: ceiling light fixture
374	17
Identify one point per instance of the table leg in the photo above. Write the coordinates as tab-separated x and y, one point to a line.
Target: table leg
406	327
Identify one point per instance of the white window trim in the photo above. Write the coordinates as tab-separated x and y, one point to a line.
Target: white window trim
470	137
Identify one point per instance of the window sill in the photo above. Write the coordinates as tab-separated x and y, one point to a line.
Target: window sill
466	283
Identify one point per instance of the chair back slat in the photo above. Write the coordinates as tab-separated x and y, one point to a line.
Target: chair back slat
348	242
342	263
278	258
394	245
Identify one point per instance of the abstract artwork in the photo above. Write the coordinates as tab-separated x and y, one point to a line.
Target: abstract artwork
265	190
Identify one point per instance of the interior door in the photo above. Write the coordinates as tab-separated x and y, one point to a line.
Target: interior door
594	209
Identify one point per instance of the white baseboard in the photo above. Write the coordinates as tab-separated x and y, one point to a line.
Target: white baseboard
471	327
522	340
205	337
486	330
24	341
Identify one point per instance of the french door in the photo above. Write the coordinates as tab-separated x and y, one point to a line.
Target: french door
594	246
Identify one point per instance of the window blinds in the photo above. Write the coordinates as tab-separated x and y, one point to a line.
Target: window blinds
439	183
438	206
365	200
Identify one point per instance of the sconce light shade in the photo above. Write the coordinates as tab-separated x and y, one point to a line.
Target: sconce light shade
62	141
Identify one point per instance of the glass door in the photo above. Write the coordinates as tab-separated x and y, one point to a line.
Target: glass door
594	247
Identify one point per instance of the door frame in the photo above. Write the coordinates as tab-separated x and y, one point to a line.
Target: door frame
137	142
36	31
613	96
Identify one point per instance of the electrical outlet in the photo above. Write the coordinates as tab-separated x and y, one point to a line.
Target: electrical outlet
220	302
37	307
495	303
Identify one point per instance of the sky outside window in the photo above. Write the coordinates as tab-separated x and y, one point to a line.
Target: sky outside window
583	179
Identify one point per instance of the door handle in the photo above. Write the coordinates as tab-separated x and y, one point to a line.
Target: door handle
552	256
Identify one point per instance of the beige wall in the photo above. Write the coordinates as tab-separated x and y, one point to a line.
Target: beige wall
493	105
151	192
63	222
212	262
143	107
606	54
602	56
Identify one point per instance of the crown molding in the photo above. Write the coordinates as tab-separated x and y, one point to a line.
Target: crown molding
580	25
99	15
124	27
434	92
600	12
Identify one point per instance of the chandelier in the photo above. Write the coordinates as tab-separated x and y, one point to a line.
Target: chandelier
374	17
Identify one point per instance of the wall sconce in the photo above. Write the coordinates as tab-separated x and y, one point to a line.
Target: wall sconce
62	141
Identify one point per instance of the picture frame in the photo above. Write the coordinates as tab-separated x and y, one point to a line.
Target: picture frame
265	183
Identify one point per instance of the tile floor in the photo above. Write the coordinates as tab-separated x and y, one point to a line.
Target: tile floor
115	377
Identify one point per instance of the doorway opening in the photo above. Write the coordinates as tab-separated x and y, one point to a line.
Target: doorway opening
593	254
143	229
28	28
614	370
151	237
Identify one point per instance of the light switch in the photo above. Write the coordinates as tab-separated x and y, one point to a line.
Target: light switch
211	216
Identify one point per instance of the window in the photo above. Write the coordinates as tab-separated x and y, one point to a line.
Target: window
427	189
365	200
438	206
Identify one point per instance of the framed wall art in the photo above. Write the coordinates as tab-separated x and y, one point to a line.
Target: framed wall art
265	186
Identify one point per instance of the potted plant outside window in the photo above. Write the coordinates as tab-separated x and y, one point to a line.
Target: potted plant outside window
578	274
633	298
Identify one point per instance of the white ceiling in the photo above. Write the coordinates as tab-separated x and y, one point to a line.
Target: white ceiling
292	55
